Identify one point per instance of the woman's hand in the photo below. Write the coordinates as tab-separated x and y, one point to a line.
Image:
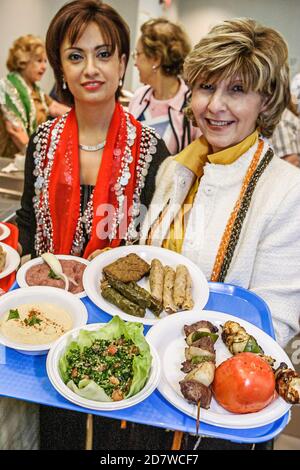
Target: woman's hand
294	159
18	135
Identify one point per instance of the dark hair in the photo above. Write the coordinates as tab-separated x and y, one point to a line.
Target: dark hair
168	41
71	21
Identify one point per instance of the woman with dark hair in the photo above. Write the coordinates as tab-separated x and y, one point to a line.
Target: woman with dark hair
159	56
89	173
94	156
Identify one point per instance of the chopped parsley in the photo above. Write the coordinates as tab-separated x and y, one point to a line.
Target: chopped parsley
13	315
109	363
32	320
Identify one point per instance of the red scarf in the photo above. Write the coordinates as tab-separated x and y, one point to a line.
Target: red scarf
64	183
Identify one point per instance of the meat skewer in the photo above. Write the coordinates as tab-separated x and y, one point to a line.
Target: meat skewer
238	340
199	365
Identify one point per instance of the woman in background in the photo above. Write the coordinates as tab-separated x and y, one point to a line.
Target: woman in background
286	136
23	105
159	57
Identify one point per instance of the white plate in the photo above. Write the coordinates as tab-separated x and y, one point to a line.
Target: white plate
57	351
12	260
5	231
93	275
21	274
168	338
51	295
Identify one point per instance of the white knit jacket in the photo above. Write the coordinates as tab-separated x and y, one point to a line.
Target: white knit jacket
267	256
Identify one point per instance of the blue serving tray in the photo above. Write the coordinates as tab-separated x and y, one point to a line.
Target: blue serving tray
24	377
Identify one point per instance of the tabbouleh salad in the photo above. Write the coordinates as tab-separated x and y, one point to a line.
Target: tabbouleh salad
108	363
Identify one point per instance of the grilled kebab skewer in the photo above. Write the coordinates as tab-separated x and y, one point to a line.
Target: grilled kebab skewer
238	340
200	363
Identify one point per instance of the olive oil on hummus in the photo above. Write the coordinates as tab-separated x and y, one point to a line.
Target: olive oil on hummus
35	323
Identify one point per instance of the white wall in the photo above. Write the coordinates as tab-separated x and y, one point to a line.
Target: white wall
198	16
20	17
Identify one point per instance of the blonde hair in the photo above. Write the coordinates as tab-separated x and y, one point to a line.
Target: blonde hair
257	54
24	49
168	41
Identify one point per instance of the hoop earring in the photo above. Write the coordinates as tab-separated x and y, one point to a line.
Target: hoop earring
120	82
64	85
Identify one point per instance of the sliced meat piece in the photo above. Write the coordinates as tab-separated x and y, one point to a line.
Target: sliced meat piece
193	391
205	343
187	366
188	329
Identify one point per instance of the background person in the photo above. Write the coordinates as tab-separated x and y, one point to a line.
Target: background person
23	105
159	57
286	136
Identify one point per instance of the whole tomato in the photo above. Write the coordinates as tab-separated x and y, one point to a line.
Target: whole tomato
245	383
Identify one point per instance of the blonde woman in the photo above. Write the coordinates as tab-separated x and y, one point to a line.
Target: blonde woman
226	202
23	105
159	56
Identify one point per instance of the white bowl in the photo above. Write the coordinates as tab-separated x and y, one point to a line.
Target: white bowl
12	260
51	295
21	274
57	351
5	231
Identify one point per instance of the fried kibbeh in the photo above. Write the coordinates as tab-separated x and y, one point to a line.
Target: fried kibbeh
128	268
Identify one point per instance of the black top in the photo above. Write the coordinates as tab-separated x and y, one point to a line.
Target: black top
26	216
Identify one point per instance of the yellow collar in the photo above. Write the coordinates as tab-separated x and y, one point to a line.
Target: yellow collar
195	155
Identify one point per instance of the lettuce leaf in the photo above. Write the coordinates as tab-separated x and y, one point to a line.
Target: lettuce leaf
112	330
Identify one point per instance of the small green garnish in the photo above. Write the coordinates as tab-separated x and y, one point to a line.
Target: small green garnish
33	320
200	359
13	315
201	334
253	346
52	275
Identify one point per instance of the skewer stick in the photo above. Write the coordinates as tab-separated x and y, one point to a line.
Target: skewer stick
198	417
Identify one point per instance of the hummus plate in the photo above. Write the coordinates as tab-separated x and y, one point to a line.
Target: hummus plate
39	296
